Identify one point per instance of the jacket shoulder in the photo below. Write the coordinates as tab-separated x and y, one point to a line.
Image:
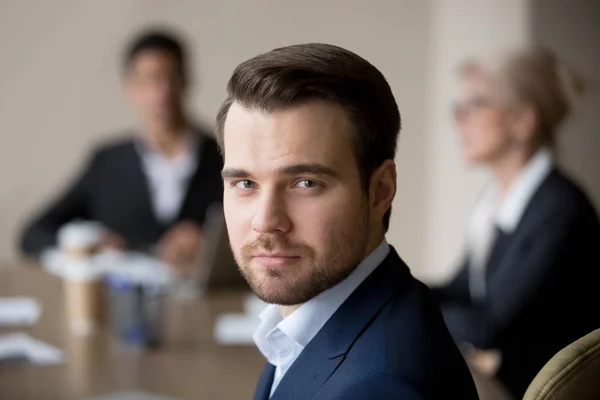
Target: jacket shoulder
560	194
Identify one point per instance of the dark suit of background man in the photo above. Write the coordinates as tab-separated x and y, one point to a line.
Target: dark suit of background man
151	191
309	136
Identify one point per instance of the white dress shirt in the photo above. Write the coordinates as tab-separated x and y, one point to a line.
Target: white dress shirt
282	340
492	211
168	177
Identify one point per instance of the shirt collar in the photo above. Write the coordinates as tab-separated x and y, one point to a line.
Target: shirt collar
191	145
507	213
175	169
303	324
522	190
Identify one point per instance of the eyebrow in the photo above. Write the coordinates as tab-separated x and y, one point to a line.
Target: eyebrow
293	169
234	173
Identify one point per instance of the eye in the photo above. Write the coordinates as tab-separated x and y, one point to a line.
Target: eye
307	184
244	184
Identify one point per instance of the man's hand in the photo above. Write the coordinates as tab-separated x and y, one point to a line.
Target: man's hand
113	241
180	245
486	362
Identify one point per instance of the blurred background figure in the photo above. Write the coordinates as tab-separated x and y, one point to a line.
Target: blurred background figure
151	190
527	286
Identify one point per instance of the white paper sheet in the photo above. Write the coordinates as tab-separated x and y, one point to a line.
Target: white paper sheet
131	396
235	329
253	306
134	266
19	311
20	345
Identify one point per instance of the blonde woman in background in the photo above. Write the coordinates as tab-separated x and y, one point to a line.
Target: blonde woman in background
530	278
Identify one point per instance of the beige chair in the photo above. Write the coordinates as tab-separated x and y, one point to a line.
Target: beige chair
572	374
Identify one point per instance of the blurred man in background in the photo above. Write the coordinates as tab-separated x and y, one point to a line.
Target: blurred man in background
151	190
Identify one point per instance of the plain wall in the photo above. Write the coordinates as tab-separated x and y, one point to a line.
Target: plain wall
459	29
572	31
59	74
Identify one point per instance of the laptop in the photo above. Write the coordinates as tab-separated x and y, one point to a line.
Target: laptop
219	271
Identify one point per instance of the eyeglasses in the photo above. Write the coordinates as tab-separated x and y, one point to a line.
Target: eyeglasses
463	109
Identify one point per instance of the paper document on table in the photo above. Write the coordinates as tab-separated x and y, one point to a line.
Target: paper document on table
19	311
131	396
19	346
238	329
235	329
253	306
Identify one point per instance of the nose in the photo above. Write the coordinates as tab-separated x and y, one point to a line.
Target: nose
164	90
271	215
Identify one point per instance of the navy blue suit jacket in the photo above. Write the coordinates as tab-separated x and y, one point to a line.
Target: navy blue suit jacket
388	340
541	284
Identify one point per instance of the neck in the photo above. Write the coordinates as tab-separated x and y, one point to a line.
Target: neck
287	310
374	240
167	137
507	168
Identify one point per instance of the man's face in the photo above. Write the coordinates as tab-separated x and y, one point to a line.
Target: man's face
155	86
296	211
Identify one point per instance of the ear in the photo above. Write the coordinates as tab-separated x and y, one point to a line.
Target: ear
524	123
382	189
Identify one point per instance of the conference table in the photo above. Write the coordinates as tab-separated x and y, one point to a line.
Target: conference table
189	365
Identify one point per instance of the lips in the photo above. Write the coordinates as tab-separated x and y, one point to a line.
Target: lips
275	260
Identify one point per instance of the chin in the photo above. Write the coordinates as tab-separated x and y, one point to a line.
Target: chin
163	117
275	287
280	299
473	158
277	293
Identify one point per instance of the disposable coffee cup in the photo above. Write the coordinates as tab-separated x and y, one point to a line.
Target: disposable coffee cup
83	355
84	296
80	239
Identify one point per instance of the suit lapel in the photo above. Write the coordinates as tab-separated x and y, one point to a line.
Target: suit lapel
501	245
508	247
309	372
324	354
206	179
203	164
138	184
263	388
138	180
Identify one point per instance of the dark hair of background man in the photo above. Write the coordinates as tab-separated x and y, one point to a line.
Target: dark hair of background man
161	40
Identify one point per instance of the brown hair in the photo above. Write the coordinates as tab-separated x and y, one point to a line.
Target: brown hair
536	77
293	75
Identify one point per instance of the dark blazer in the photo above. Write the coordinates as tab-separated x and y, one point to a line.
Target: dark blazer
114	191
542	284
386	341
